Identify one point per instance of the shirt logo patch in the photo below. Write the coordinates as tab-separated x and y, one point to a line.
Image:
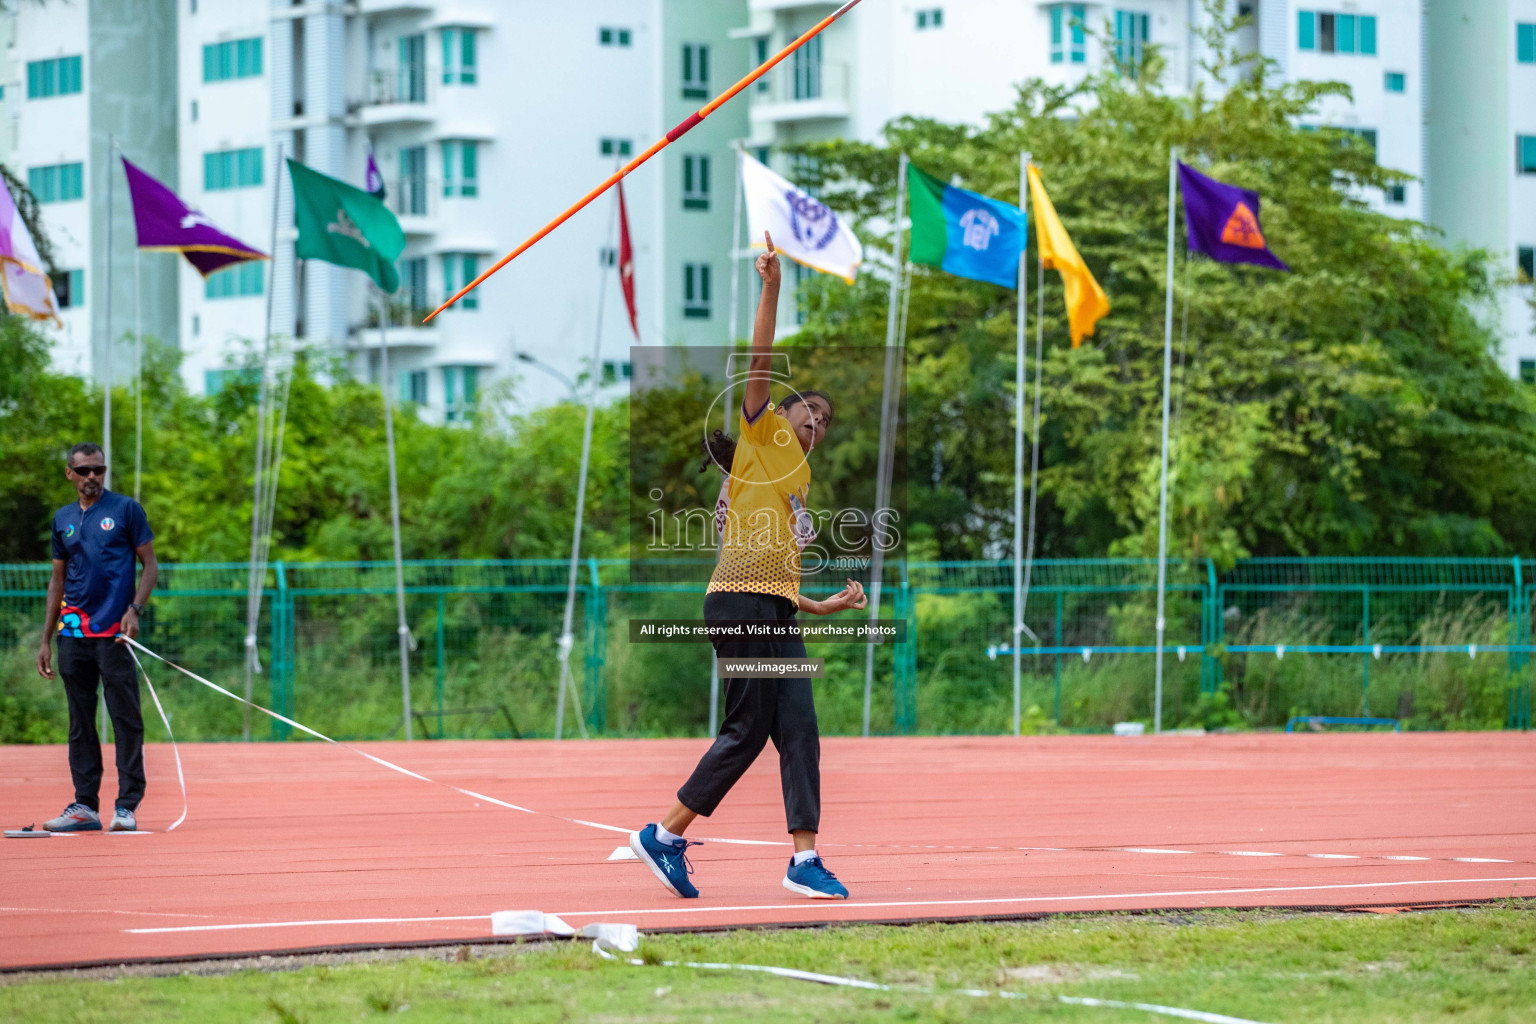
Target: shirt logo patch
108	523
69	531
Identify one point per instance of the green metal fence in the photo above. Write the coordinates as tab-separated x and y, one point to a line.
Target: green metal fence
1437	642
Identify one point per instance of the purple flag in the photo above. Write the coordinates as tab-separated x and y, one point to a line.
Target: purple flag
167	224
1223	221
373	181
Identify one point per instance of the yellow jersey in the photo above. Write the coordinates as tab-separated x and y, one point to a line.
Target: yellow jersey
761	510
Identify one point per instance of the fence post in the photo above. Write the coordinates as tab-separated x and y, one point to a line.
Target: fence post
1059	603
442	608
282	651
597	619
1365	631
1519	710
1208	630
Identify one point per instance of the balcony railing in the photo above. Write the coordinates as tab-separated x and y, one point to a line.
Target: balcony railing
798	90
405	90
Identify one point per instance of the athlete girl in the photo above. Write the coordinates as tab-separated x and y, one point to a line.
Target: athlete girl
757	579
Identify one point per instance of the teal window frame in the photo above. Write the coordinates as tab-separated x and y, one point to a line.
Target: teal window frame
413	387
1525	154
1306	30
1525	43
1525	262
459	402
411	70
411	195
1528	371
459	56
1131	31
1367	35
608	35
57	76
232	59
695	71
57	183
930	17
225	169
1344	33
695	182
614	147
243	280
1069	39
696	292
69	289
1394	81
467	264
461	172
215	381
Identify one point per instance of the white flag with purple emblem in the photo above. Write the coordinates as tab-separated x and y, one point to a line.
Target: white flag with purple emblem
803	228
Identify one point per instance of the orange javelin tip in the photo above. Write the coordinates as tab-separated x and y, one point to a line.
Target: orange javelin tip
656	147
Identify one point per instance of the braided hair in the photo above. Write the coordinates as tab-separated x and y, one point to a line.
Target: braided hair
720	447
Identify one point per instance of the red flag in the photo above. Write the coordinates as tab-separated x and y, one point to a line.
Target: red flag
627	265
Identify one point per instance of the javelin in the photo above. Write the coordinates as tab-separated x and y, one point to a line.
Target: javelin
672	136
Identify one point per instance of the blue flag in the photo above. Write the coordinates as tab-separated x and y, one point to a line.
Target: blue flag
964	233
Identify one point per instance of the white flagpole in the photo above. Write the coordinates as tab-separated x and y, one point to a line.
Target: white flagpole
106	411
256	568
566	640
401	628
1018	448
887	429
730	402
1162	501
138	377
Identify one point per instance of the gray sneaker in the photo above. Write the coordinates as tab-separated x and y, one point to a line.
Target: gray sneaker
122	821
76	818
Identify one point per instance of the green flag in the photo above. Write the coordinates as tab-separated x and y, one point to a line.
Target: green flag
344	225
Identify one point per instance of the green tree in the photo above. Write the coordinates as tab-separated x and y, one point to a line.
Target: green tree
1353	406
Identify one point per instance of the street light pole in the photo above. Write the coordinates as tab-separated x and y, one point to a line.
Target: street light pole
530	360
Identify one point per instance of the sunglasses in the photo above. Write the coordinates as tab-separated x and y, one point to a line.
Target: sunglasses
89	470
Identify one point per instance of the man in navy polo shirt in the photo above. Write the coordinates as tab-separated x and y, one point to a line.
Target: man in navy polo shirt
92	603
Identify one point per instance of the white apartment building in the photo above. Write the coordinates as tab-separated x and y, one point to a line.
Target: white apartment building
487	117
75	79
1482	148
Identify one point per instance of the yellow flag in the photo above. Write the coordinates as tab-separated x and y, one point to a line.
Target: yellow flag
1086	301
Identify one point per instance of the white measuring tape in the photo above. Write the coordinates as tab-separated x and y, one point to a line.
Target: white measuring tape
363	753
180	777
598	945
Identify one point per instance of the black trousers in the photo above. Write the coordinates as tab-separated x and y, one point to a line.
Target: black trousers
757	710
84	662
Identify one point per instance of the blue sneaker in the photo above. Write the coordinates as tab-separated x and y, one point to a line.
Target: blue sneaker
667	861
812	879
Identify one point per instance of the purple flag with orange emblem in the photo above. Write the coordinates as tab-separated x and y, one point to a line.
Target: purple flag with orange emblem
1223	221
166	223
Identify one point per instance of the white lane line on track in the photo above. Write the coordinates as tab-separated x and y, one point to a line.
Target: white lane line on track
1481	860
1334	856
997	901
1150	849
1248	853
1401	857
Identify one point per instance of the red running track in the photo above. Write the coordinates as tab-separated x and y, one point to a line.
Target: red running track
306	839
